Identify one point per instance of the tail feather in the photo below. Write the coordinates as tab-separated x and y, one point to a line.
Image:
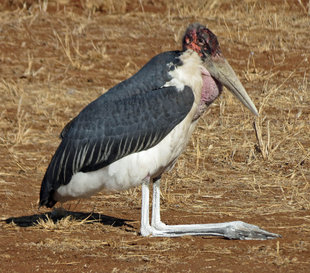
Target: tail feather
55	176
46	194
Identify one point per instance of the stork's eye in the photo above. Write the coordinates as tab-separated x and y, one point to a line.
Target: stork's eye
201	40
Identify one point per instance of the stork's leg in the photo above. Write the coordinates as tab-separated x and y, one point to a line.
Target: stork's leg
231	230
145	229
156	221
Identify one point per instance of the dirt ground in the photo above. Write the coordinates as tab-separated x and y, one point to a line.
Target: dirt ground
57	56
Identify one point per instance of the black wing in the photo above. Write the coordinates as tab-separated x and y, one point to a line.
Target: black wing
114	126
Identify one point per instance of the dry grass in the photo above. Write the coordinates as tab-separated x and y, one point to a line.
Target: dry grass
57	56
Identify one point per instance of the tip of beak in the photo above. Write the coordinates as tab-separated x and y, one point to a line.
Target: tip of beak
254	111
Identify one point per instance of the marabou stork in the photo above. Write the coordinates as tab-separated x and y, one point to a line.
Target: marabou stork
137	130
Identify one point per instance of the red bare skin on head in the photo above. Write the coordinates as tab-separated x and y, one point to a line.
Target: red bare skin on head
192	43
201	40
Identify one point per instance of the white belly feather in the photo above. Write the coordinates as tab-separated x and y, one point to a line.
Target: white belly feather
130	170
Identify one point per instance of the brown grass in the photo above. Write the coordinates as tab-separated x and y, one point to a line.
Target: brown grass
57	56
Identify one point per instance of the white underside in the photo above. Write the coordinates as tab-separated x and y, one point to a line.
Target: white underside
131	170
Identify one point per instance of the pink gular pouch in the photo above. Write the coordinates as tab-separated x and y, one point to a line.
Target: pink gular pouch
211	89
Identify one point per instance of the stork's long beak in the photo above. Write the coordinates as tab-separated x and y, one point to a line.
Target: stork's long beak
220	69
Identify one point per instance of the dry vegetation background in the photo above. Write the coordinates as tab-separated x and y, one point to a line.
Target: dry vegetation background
57	56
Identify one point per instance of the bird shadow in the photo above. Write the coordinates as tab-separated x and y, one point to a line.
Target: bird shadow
55	216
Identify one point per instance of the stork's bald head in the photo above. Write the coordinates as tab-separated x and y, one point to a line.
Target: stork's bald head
202	40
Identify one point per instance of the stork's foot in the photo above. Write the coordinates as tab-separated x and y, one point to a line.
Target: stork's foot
239	230
236	230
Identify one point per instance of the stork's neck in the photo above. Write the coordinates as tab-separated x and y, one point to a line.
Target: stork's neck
210	90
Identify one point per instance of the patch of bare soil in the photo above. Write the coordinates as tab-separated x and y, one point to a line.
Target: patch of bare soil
57	56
